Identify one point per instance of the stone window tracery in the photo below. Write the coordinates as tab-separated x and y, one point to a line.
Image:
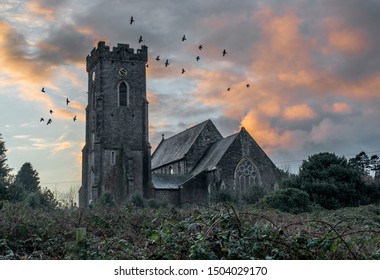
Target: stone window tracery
245	175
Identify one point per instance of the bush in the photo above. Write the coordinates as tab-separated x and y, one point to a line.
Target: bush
223	195
106	200
137	200
253	195
289	200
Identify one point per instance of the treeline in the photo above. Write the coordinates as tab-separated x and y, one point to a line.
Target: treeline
24	186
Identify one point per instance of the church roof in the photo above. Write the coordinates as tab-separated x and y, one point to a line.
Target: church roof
213	155
169	181
176	147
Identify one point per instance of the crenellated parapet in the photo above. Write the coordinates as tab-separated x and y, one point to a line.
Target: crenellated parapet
121	52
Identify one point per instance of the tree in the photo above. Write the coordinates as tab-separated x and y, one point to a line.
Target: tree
28	177
4	170
332	181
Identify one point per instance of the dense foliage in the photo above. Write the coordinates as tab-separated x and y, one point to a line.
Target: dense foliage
334	182
219	232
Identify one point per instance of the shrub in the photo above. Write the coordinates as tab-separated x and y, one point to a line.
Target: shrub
137	200
289	200
223	195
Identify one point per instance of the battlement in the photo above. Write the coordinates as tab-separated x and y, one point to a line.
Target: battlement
121	52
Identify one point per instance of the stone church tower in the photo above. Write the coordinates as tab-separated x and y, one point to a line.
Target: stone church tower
116	155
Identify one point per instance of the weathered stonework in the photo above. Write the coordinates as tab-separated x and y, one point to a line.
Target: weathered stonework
116	156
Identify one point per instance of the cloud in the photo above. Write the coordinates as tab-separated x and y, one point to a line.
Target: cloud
298	112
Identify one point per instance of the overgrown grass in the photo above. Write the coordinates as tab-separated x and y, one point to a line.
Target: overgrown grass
218	232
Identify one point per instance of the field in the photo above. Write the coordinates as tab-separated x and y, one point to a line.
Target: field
218	232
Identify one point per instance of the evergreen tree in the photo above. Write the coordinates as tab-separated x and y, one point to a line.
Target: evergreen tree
4	170
28	178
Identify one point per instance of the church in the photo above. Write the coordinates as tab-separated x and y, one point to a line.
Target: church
187	167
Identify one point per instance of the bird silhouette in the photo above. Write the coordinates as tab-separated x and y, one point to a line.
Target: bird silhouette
141	39
67	101
228	89
248	85
158	58
167	63
132	20
183	71
183	38
198	58
42	119
224	52
49	121
200	47
51	111
75	118
147	66
43	89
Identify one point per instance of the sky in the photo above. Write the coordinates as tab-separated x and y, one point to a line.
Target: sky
313	68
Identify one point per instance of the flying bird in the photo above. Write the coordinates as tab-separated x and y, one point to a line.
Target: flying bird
67	101
132	20
167	63
158	58
183	71
49	121
200	47
141	39
183	38
42	119
198	58
147	66
248	85
75	118
51	111
43	89
228	89
224	52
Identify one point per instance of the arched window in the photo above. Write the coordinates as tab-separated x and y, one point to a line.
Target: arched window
123	94
113	160
179	168
246	175
171	170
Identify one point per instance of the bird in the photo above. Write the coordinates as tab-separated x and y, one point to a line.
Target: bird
158	58
198	58
75	118
248	85
147	66
228	89
43	89
132	20
200	47
51	111
224	52
67	101
42	119
49	121
183	38
140	39
167	63
183	71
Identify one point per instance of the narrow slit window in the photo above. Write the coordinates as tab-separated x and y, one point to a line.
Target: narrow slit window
113	158
123	94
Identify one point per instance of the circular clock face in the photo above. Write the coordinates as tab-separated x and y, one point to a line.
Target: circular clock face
123	72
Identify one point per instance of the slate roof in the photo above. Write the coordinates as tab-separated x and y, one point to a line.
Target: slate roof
213	155
169	181
176	147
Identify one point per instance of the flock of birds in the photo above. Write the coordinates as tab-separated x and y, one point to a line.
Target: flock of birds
167	63
49	121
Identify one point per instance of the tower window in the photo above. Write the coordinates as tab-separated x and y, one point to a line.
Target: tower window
123	94
113	158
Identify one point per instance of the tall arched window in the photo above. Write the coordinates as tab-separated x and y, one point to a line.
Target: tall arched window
246	175
123	94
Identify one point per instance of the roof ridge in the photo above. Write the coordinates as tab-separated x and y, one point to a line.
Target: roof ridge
187	129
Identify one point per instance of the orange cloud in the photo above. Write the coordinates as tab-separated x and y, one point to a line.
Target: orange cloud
36	7
341	108
270	138
298	112
345	39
